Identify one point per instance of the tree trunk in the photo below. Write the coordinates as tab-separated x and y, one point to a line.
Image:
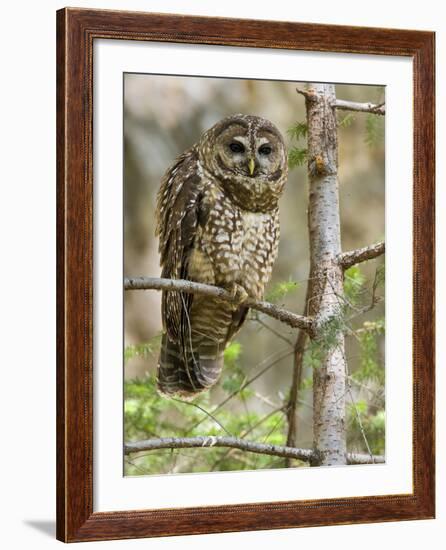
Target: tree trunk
326	278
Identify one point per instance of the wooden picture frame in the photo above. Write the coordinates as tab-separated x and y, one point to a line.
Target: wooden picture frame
76	31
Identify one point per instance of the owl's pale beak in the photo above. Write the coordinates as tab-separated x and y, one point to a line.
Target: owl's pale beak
251	166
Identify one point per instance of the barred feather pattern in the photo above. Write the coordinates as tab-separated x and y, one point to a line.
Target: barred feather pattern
206	235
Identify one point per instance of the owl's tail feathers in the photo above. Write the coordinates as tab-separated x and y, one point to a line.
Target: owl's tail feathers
187	372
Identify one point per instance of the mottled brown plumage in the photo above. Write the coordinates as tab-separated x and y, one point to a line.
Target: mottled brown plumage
218	223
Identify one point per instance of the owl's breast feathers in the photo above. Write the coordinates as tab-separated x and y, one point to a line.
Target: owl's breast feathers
235	245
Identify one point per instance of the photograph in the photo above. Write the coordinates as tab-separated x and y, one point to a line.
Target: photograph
254	274
245	274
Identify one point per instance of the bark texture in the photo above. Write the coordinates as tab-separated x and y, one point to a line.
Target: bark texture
326	276
353	257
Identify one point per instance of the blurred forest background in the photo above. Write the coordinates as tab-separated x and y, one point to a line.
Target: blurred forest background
163	116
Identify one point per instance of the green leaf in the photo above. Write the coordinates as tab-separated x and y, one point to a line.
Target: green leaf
307	383
232	353
359	407
378	421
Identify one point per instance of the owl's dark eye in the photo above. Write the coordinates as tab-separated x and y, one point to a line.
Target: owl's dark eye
265	150
236	147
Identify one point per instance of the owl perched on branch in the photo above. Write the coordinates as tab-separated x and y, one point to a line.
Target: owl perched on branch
218	223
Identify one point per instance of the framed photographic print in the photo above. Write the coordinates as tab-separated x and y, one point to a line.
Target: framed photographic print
233	351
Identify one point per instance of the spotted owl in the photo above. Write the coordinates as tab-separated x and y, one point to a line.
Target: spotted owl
217	223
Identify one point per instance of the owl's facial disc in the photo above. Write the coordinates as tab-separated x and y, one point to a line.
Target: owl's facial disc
243	156
248	156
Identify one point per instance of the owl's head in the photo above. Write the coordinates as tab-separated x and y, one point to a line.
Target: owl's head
247	154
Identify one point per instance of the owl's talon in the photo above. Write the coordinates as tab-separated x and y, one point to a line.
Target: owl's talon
238	293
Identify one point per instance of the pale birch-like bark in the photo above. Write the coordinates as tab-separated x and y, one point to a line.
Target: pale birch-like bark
361	107
326	275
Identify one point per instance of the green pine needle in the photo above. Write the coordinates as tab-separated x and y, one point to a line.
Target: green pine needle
299	130
296	157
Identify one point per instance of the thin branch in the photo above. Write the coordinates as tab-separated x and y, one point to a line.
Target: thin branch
272	430
191	287
358	419
138	468
265	399
343	105
357	458
299	351
306	455
374	300
366	309
353	257
358	416
202	410
274	358
272	330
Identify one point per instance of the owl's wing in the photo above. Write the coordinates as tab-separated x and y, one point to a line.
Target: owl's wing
178	216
